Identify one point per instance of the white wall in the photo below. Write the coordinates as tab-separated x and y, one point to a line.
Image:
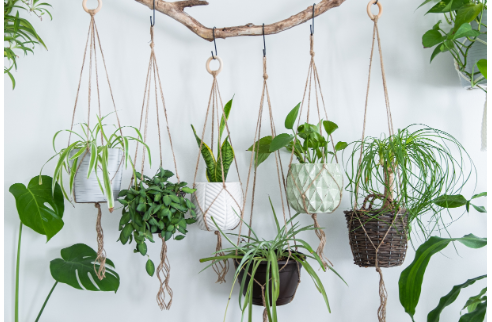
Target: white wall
43	100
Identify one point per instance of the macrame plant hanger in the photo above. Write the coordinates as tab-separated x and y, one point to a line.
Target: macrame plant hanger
92	40
205	206
281	181
383	294
164	268
313	80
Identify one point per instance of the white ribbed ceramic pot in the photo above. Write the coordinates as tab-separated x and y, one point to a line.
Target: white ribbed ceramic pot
87	189
224	206
322	188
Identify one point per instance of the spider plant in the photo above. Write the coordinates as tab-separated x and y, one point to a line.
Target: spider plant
253	251
95	143
408	170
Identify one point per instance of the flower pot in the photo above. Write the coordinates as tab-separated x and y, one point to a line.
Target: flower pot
477	51
314	188
394	248
87	189
223	204
290	276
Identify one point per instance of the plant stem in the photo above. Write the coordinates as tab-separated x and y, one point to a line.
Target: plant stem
17	276
46	301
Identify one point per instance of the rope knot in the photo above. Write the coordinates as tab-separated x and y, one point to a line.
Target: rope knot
265	76
152	45
312	53
214	73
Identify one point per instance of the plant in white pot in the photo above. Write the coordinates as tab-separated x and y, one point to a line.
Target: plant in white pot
94	163
217	198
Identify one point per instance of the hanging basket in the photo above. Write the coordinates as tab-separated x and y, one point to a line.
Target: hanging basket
314	187
377	225
223	204
88	190
290	277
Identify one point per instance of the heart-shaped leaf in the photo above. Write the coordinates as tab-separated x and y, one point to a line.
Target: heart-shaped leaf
291	117
77	263
39	208
280	141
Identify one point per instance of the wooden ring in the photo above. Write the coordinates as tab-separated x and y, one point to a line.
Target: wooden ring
380	6
92	11
214	71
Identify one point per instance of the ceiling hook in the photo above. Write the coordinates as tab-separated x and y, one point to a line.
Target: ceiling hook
375	3
215	45
264	45
312	26
152	22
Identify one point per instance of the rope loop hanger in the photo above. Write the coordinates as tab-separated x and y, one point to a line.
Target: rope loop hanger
314	187
217	202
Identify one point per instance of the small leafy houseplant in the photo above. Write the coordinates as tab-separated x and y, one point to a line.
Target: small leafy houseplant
210	196
94	162
155	206
464	37
314	185
258	261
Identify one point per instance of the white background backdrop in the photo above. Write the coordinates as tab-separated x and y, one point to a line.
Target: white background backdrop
43	100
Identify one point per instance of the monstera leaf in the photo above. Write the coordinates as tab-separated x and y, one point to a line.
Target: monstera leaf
77	263
39	208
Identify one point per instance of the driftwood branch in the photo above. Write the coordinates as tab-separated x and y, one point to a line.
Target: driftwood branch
175	10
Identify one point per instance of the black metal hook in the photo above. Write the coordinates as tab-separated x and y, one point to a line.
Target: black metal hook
312	26
152	22
375	3
264	45
215	45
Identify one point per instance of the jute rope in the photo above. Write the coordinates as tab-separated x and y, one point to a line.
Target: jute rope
313	78
164	267
93	43
216	108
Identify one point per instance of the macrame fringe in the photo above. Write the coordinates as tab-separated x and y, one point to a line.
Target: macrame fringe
322	241
164	268
101	253
220	267
484	126
383	296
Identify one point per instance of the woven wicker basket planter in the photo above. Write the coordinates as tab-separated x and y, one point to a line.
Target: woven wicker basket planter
394	249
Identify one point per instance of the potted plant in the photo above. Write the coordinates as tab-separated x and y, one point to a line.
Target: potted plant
399	176
465	40
258	261
94	162
216	197
310	189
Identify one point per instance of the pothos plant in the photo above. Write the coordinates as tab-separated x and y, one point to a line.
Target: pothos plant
154	206
459	36
408	170
217	167
311	146
93	144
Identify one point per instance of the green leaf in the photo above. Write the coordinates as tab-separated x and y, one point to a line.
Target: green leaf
225	158
473	301
77	263
447	6
467	14
149	267
262	145
330	127
179	237
341	146
291	117
432	38
477	315
482	67
208	157
260	158
436	52
478	195
227	110
479	208
142	248
188	190
410	283
280	141
450	201
449	298
39	208
465	30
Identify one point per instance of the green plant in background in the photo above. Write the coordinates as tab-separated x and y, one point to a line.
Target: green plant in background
455	201
255	251
217	168
95	143
310	144
155	206
18	33
408	170
462	35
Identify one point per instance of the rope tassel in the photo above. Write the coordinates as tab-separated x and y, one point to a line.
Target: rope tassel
220	267
164	269
101	253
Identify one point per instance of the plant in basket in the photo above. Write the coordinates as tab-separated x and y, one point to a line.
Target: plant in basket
277	261
94	162
309	189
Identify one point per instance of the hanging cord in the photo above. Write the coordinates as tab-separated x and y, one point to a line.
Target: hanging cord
101	253
164	269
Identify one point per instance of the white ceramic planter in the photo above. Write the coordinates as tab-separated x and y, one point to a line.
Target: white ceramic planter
225	207
87	189
322	192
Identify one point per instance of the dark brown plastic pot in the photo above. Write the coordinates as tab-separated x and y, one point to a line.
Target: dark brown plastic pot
290	276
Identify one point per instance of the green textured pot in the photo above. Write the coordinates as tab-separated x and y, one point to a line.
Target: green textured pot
314	188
